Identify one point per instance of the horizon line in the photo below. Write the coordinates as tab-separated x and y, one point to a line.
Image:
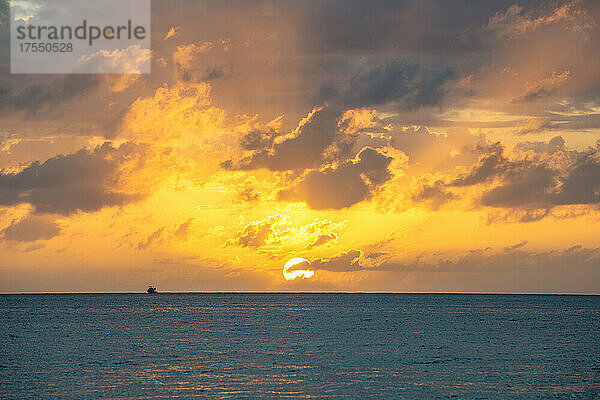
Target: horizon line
312	292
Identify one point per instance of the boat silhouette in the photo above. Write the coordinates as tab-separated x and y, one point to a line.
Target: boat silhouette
152	290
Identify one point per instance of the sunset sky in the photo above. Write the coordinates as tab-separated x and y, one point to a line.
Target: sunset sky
405	146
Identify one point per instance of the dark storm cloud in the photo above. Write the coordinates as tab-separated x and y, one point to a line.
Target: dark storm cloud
410	86
578	260
343	185
323	239
345	53
80	104
576	122
33	94
428	26
491	164
582	183
537	183
512	258
492	268
82	181
528	184
31	228
504	262
4	37
344	262
330	27
542	185
537	94
433	194
258	139
305	150
531	186
554	145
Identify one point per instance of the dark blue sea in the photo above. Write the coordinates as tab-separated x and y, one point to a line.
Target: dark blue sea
359	346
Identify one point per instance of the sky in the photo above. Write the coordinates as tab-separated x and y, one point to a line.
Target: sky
382	146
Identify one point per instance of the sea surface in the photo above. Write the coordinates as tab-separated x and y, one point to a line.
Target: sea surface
233	345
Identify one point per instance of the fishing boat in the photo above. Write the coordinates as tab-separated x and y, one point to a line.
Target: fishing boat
152	290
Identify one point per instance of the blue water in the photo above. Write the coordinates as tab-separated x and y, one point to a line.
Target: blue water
299	345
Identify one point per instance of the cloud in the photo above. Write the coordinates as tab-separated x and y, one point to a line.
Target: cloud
414	140
186	135
523	216
527	215
409	86
432	153
545	176
323	239
512	258
155	238
585	121
185	54
554	145
247	191
544	88
342	185
163	235
173	31
35	95
489	165
530	186
84	181
133	59
384	26
514	22
326	135
344	262
434	194
527	182
258	139
217	72
259	233
581	185
533	125
279	230
539	185
516	246
177	116
119	83
31	228
301	149
183	230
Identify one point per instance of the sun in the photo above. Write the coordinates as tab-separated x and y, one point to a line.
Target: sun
304	273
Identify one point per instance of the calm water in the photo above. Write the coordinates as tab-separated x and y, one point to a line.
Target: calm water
299	345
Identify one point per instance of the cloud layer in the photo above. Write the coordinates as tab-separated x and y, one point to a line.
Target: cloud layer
84	181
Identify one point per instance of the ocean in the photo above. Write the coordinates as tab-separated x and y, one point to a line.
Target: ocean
275	345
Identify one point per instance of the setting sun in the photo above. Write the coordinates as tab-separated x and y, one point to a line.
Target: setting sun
291	269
